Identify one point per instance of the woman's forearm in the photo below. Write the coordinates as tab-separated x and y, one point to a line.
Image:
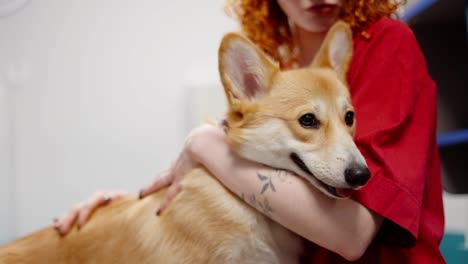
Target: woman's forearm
342	226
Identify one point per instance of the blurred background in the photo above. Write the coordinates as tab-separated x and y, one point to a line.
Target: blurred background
99	94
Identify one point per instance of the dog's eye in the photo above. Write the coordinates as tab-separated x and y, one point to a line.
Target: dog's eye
309	121
349	118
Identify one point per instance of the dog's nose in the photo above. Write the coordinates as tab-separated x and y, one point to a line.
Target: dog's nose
357	175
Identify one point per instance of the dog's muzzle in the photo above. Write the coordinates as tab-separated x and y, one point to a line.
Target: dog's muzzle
335	192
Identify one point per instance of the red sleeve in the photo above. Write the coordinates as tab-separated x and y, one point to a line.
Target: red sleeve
394	99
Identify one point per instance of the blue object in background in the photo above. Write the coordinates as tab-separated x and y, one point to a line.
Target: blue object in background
417	9
452	138
453	249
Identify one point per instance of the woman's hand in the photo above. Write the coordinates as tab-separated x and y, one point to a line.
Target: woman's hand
172	176
82	211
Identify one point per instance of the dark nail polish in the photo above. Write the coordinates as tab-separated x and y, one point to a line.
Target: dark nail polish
140	194
158	212
58	230
107	200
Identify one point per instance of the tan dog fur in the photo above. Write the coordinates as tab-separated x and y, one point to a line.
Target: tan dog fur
206	223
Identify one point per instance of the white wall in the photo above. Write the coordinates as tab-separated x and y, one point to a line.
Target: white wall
6	176
101	97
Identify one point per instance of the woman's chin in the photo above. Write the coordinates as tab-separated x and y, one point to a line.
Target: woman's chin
317	24
321	26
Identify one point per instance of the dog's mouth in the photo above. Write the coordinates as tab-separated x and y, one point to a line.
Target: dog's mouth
335	192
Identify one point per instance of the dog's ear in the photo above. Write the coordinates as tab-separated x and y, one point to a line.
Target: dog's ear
245	71
336	50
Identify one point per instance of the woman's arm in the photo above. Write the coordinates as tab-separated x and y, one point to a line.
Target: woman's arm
340	225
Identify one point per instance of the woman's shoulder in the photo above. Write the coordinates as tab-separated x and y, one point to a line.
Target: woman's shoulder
388	49
389	23
390	28
386	34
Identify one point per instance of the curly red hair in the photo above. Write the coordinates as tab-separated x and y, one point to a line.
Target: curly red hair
267	25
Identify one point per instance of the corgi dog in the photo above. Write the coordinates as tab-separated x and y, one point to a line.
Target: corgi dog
298	120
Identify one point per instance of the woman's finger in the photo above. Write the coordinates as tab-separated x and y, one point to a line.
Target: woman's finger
94	202
65	222
171	193
97	200
117	195
163	180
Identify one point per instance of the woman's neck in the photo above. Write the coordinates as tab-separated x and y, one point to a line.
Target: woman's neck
308	43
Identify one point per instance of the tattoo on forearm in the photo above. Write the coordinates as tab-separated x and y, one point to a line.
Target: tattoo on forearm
267	183
253	200
270	181
282	175
263	206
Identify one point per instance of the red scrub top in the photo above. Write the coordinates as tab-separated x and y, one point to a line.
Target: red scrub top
395	102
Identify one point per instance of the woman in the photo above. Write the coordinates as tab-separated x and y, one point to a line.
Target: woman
398	215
